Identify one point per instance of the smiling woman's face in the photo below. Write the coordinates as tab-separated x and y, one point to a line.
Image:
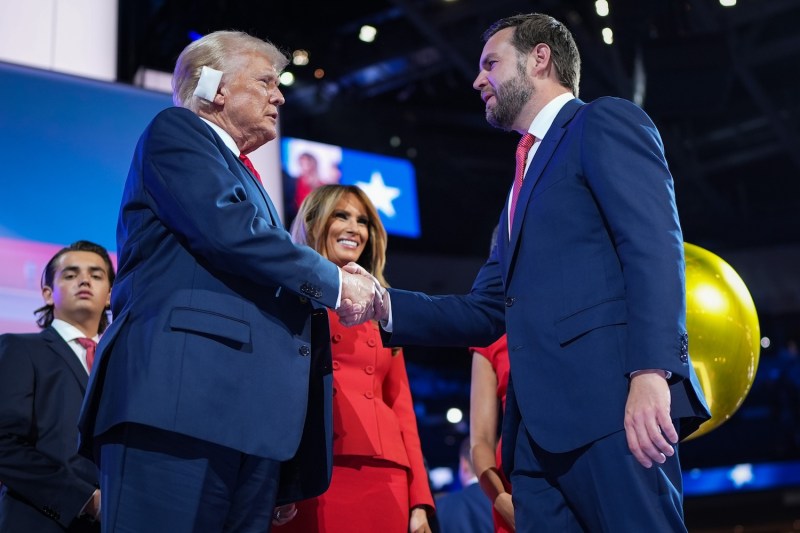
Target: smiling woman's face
348	231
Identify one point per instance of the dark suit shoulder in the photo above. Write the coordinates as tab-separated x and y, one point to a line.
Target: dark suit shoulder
19	341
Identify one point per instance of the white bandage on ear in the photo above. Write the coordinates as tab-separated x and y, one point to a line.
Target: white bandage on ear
208	83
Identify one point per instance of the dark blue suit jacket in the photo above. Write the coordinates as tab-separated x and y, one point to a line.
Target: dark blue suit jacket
212	311
590	285
465	511
45	482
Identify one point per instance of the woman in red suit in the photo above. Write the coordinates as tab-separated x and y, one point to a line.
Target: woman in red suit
488	387
379	481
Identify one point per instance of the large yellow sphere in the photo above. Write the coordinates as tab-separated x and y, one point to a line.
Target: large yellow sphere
724	337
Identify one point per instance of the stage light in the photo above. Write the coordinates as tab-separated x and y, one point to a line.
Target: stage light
454	415
319	73
300	57
367	33
287	78
601	6
727	3
765	342
608	36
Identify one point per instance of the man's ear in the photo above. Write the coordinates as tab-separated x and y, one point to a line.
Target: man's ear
47	295
540	57
219	98
108	300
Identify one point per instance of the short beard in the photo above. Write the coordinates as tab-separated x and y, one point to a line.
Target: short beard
510	98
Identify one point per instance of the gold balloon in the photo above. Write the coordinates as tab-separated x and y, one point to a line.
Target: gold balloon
724	337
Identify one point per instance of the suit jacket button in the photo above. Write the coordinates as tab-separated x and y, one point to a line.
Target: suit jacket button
369	369
371	342
510	301
336	365
369	395
336	337
305	350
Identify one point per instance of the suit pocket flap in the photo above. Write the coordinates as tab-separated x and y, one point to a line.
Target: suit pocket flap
608	313
205	322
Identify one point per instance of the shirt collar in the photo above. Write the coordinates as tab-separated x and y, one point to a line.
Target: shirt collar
69	332
544	119
226	138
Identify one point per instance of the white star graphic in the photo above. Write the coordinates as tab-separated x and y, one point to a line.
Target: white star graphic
380	194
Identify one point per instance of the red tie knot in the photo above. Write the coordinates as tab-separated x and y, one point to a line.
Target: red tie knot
249	165
86	342
525	143
91	347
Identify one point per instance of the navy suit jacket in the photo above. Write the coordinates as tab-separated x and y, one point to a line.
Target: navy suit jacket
212	311
45	482
465	511
590	285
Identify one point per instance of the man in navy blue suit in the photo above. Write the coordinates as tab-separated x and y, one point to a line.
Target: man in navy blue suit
47	486
587	279
210	402
467	510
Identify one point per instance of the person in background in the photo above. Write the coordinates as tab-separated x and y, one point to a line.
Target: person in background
379	480
488	387
466	510
308	178
211	401
487	399
588	281
46	486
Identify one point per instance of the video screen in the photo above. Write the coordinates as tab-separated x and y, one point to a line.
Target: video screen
390	182
66	144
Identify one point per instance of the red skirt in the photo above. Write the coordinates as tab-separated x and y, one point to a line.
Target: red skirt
365	495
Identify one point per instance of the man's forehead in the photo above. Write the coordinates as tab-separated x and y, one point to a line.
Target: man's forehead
77	259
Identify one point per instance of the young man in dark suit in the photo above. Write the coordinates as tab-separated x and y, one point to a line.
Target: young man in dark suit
47	486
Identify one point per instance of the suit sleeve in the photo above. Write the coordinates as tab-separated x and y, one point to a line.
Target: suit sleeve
397	395
473	319
199	199
46	484
625	167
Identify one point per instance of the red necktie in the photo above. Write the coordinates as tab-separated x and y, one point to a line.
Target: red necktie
249	165
523	148
90	346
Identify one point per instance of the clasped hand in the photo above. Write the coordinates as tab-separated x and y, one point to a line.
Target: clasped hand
363	298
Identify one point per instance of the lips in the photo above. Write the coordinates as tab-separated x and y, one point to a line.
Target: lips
348	243
84	294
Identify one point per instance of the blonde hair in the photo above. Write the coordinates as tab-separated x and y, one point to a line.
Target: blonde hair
220	50
310	227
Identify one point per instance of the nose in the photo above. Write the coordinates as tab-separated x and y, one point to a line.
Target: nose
84	279
277	97
480	81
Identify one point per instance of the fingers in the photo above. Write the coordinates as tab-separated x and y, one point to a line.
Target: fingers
649	430
283	514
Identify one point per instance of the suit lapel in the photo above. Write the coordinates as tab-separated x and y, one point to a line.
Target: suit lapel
273	213
56	343
245	173
543	155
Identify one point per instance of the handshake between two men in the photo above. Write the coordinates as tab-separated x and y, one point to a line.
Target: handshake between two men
363	297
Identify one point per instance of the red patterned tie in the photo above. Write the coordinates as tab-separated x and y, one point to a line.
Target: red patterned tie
523	148
90	346
249	165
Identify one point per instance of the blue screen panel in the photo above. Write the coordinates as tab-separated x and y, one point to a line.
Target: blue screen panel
390	182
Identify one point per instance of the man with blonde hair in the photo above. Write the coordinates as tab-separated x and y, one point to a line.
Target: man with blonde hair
210	402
